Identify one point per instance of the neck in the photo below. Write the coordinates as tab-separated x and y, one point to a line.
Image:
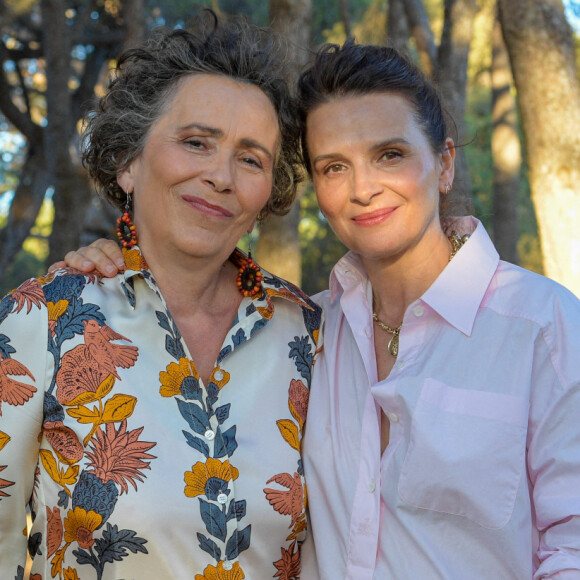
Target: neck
399	281
192	284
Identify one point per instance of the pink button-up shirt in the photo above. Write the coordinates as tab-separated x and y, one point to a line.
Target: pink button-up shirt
481	478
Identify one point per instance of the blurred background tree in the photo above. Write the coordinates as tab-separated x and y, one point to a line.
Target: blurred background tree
55	54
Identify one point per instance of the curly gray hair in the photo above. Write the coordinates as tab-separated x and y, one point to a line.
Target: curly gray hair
146	77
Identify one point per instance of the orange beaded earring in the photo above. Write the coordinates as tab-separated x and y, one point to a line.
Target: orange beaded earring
126	231
249	280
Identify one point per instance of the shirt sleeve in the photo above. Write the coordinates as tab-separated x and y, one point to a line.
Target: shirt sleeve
23	361
554	444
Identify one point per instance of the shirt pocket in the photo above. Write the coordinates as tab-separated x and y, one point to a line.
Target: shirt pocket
466	453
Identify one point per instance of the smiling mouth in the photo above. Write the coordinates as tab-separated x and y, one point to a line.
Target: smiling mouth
205	207
372	218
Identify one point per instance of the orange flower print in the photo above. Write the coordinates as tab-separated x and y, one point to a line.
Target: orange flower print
119	456
209	479
28	294
78	374
175	375
298	396
35	577
79	526
287	502
4	483
219	573
289	565
64	441
55	311
14	392
54	531
69	574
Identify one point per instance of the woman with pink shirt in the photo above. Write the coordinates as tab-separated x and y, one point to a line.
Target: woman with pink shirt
441	440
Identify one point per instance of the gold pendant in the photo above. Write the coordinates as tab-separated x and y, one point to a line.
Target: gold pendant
393	346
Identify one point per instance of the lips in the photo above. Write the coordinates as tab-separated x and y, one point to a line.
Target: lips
205	207
372	218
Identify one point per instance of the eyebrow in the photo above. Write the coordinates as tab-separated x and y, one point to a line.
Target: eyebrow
374	147
214	132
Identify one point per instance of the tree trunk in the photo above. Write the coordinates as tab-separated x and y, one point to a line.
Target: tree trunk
28	198
452	75
70	197
278	247
418	21
506	153
397	26
541	48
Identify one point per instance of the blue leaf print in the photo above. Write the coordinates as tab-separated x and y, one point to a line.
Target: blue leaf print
237	510
239	338
300	352
196	443
19	573
195	416
222	413
209	546
239	541
5	348
163	321
34	544
53	410
173	347
312	317
6	307
65	287
259	324
63	499
191	390
212	394
225	443
71	322
91	494
115	543
214	519
224	352
86	558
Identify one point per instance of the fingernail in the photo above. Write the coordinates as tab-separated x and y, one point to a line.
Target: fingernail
110	269
86	264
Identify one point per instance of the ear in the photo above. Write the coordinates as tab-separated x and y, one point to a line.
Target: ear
447	166
126	179
251	228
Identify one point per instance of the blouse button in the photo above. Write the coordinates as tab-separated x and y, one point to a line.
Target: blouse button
218	375
418	311
393	418
368	332
209	435
222	498
228	565
372	486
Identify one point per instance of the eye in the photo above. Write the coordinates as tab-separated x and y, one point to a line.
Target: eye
391	154
195	143
333	168
253	161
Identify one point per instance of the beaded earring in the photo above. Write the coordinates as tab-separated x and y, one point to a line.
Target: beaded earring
249	280
126	231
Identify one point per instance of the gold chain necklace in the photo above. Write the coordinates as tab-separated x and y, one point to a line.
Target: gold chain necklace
456	242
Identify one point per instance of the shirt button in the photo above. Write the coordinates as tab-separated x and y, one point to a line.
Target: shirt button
209	435
222	498
418	311
228	565
368	332
400	364
393	417
218	375
372	486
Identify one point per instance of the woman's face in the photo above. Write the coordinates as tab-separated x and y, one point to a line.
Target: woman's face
376	176
206	169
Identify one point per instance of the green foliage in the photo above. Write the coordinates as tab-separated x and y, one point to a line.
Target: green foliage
320	247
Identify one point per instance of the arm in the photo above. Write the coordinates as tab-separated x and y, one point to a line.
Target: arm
554	446
102	255
23	354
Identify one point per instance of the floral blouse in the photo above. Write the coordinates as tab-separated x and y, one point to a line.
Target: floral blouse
132	467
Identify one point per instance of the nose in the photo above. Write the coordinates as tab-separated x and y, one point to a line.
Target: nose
365	185
220	174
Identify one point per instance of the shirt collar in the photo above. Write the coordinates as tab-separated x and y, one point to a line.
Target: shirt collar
457	293
273	287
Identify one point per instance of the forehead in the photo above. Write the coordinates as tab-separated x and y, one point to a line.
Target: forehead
362	117
219	98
